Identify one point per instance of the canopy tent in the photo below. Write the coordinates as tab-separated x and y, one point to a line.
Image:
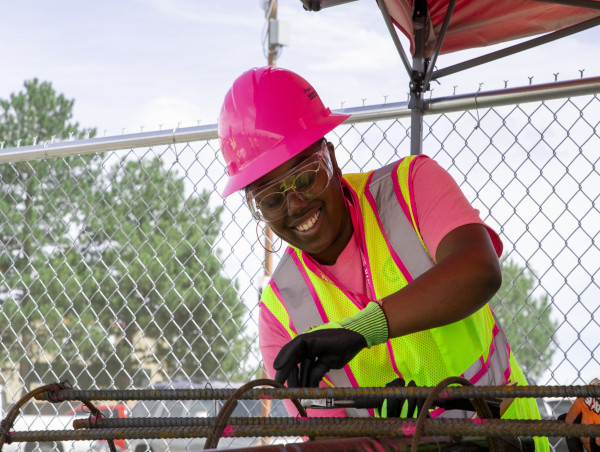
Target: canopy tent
477	23
434	27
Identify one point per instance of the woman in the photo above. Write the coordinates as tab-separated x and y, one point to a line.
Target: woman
388	273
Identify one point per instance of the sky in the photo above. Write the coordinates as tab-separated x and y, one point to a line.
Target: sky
134	65
158	63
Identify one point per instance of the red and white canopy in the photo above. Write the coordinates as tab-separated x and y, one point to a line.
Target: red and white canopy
477	23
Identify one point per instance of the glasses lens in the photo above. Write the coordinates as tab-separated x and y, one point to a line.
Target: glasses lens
309	180
271	202
306	180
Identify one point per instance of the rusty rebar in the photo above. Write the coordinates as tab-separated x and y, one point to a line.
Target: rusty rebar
325	393
479	404
94	428
349	427
222	419
48	392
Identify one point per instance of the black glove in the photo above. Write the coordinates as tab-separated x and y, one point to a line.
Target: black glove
392	406
304	361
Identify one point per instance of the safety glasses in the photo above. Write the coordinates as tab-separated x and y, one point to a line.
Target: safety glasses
309	179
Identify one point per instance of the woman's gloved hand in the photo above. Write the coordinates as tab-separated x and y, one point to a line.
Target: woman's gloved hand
304	361
393	406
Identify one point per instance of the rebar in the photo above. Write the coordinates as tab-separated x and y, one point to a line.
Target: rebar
325	393
347	427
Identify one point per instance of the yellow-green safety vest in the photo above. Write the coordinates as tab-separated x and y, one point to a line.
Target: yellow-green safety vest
300	296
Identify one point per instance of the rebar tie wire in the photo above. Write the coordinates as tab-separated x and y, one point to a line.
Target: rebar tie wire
223	426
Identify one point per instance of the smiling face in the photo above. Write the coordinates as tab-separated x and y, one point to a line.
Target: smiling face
320	225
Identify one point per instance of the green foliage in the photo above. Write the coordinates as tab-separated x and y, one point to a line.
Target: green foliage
106	269
526	319
38	114
163	270
38	205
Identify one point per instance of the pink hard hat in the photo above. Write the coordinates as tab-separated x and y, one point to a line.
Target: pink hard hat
268	116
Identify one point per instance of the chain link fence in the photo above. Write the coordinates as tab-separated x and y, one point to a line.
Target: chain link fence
125	268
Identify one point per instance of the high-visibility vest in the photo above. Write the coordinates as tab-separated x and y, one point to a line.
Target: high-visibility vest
300	296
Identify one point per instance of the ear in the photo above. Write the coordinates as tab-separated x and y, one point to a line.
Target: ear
336	168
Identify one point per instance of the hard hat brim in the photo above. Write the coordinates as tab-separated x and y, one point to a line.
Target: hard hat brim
289	147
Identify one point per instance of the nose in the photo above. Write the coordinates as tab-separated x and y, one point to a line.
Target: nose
295	202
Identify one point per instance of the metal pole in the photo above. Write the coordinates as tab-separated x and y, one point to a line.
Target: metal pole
390	26
272	61
418	74
439	42
591	4
266	407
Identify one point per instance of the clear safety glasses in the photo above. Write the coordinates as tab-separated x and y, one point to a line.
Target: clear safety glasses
309	179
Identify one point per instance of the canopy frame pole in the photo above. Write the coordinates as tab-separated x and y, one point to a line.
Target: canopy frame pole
390	26
438	43
516	48
590	4
416	103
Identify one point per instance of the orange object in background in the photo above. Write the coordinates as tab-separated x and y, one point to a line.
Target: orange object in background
111	410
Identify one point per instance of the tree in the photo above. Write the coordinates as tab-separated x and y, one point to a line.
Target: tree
38	208
38	114
159	261
526	319
102	264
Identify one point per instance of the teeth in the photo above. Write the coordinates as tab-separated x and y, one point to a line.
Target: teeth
310	223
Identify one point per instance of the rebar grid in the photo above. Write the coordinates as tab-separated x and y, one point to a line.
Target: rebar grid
97	428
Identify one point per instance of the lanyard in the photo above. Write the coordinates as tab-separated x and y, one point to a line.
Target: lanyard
359	238
327	276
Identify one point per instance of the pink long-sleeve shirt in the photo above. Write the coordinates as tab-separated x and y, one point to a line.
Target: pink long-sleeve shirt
441	207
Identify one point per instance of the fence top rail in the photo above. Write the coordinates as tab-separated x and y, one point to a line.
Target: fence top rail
488	99
111	143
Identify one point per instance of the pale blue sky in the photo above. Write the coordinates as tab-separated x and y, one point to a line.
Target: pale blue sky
149	62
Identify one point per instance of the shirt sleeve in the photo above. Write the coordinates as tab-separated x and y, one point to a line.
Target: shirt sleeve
271	337
441	206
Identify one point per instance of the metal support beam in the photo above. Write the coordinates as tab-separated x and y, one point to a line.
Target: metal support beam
419	68
439	42
516	48
591	4
514	96
390	26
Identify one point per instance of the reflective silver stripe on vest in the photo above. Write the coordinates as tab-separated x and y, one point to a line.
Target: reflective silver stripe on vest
499	361
304	314
296	297
402	236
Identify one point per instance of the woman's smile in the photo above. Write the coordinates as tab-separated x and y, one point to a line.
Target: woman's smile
308	224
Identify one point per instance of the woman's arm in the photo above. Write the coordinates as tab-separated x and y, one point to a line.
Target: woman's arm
466	276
